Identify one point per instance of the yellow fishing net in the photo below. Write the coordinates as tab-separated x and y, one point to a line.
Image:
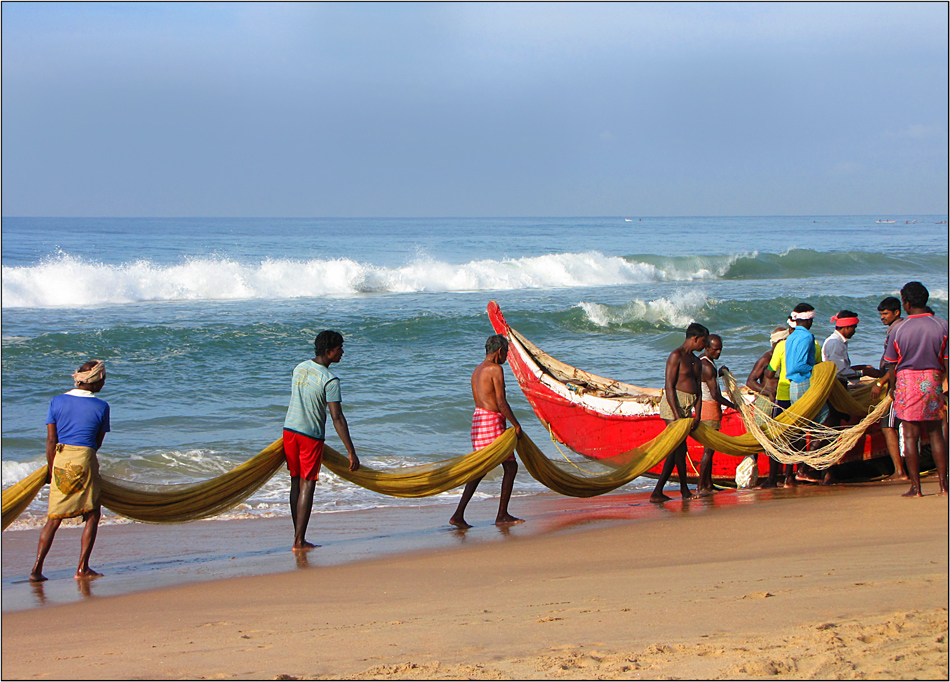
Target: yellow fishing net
641	459
189	502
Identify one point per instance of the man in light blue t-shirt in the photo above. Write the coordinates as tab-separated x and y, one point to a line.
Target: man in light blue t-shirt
314	391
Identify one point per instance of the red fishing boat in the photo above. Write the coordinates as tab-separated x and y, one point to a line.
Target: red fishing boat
602	418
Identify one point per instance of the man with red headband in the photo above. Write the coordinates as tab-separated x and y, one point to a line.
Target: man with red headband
835	348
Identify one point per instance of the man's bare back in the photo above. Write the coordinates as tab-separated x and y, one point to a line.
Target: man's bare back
488	384
488	391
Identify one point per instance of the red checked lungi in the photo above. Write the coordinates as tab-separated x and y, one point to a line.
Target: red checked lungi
486	427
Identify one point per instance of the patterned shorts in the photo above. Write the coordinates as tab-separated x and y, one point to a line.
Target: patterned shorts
918	395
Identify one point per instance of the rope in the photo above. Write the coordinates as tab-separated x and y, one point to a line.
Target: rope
558	446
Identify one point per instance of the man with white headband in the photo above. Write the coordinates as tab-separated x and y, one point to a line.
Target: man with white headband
800	359
76	425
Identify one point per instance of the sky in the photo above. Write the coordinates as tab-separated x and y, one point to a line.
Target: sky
482	109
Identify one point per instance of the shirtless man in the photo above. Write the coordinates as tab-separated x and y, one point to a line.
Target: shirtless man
711	408
681	395
488	423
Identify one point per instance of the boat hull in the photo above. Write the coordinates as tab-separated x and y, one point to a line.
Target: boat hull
600	432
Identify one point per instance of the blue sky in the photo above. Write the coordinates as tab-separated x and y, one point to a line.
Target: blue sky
474	109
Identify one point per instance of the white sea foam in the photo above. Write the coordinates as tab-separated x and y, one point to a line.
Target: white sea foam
67	281
678	310
15	471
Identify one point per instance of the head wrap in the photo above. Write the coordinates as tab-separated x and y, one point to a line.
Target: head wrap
778	336
844	321
92	375
794	317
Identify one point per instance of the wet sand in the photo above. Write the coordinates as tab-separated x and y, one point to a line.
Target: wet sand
812	583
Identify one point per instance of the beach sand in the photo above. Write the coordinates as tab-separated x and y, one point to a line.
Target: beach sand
841	582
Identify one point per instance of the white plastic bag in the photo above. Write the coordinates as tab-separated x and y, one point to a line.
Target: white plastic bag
747	473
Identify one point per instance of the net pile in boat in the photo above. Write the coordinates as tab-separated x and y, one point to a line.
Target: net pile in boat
786	442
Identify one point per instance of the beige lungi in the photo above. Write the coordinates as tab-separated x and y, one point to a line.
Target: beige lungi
75	485
685	402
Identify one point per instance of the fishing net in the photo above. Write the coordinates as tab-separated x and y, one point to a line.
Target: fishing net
779	437
784	440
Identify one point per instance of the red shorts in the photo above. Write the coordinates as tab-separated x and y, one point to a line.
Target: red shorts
304	455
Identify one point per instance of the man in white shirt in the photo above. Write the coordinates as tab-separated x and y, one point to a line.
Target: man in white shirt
835	347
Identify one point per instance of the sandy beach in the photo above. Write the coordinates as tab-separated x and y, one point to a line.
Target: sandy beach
844	582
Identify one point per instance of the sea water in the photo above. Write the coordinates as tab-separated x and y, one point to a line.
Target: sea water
201	322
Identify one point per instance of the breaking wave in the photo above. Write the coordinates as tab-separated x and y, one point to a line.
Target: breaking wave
66	281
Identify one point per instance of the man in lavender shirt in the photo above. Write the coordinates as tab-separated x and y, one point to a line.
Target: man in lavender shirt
917	354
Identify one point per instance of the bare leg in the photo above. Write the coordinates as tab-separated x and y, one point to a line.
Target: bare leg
88	541
668	464
790	481
775	468
681	455
938	448
894	449
705	485
294	496
46	541
304	507
458	518
911	455
507	484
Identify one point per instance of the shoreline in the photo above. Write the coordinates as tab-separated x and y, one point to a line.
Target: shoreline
813	582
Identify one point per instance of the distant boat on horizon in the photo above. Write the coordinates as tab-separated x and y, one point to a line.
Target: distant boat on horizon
886	221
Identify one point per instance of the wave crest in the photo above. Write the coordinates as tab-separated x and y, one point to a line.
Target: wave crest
678	310
68	281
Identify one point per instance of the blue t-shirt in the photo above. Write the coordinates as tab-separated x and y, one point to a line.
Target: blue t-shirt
79	419
313	387
799	355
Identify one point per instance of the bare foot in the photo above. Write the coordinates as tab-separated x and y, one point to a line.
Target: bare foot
913	492
459	523
687	494
705	492
897	477
303	544
659	497
36	577
767	484
507	520
86	573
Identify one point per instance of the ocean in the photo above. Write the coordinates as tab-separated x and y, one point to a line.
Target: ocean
202	320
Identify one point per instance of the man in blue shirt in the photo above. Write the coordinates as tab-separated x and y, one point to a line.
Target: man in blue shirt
799	363
315	390
76	425
800	355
